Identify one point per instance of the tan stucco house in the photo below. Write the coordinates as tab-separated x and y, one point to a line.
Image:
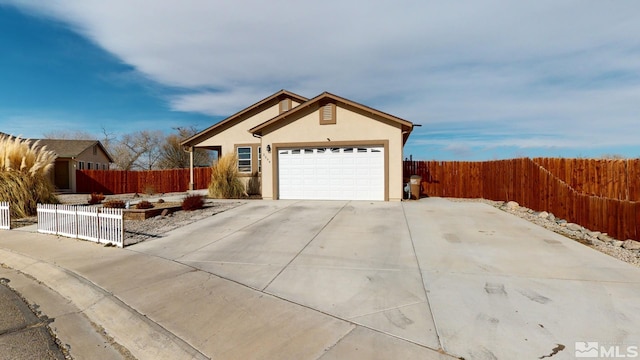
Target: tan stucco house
75	155
325	148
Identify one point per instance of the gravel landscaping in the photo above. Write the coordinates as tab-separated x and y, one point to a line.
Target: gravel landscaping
140	230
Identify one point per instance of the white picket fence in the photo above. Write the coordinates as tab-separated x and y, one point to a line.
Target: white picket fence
5	216
101	225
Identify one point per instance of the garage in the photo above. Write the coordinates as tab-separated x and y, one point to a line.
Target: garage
332	173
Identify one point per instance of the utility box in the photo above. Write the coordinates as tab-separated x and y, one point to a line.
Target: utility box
415	183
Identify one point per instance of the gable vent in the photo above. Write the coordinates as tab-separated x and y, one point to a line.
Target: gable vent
285	105
328	114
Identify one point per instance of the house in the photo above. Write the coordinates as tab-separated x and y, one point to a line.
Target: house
75	155
325	148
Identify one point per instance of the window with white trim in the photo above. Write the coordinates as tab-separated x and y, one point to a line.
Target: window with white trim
80	165
244	159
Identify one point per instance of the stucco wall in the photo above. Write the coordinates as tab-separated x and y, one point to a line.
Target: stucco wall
239	134
88	156
351	126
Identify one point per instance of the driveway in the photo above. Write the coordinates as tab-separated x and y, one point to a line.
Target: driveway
463	278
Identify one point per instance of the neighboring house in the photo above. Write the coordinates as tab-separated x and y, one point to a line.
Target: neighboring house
326	148
75	155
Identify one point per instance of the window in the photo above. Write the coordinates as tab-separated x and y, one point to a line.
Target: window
244	159
104	166
88	166
80	165
285	105
259	159
95	149
328	114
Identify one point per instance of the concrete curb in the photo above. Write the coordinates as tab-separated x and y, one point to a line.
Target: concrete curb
137	333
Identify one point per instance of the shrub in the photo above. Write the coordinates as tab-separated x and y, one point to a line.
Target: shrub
96	198
225	183
24	175
144	204
192	202
115	204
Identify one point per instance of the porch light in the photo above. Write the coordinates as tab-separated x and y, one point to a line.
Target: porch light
268	148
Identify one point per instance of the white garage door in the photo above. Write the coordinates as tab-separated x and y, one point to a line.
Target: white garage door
344	173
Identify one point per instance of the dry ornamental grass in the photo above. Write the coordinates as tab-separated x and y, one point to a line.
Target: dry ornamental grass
225	183
24	175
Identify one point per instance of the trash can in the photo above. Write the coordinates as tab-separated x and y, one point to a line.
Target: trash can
415	182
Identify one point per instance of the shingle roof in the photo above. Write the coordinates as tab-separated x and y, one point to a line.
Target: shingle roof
406	125
70	148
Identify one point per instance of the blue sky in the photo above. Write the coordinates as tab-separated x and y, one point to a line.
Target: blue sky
485	79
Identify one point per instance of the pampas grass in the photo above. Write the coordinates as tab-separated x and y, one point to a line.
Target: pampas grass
24	175
225	183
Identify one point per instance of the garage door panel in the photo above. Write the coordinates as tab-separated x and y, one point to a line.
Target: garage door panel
332	174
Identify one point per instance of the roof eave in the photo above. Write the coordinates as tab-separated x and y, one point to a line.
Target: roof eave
193	139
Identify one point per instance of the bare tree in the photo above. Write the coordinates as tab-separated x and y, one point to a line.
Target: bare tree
69	135
138	151
174	156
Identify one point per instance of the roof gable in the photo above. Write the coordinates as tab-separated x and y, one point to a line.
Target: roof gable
71	148
242	115
321	100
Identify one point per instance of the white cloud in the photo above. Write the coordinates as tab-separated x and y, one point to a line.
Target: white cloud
568	70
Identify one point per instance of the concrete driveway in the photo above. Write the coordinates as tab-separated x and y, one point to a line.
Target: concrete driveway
464	279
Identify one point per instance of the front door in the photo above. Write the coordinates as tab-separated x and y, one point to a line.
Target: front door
61	174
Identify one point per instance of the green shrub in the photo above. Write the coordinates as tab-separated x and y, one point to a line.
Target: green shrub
225	183
24	175
192	202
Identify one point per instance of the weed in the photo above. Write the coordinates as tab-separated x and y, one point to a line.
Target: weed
192	202
96	198
144	204
115	204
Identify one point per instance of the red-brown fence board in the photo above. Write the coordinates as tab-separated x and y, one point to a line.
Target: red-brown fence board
125	182
610	178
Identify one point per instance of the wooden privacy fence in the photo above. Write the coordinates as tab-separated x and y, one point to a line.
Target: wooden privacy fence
531	185
152	181
101	225
5	216
616	179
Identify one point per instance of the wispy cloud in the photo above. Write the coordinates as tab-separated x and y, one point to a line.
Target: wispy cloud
544	74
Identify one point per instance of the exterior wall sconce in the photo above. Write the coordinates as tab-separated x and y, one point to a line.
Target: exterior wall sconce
268	148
